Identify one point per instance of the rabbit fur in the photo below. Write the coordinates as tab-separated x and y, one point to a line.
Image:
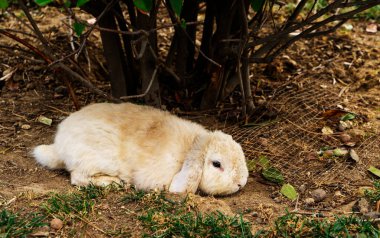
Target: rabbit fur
147	147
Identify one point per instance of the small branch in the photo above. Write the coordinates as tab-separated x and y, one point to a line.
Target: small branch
147	89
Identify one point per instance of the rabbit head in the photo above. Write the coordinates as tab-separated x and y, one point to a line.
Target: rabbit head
215	165
225	170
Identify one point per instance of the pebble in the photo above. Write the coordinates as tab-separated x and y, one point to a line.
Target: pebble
56	224
344	137
318	194
302	188
25	127
309	201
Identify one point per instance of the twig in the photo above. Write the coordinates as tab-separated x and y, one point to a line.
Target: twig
147	89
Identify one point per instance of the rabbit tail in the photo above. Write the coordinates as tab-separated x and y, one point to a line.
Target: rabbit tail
46	156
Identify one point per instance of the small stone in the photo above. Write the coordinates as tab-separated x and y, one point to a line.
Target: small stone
342	126
56	224
309	201
302	188
338	194
318	194
255	214
344	137
25	127
263	141
328	153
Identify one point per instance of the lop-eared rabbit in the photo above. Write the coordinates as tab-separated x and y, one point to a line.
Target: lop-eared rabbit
147	147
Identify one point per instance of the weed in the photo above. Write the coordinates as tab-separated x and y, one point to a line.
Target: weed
164	217
292	225
73	204
12	225
373	195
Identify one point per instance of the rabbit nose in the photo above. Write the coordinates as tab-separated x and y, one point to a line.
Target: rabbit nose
239	185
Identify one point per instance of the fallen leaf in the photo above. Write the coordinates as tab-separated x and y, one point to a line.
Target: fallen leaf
327	130
273	175
263	162
251	165
348	116
289	191
44	120
339	152
374	171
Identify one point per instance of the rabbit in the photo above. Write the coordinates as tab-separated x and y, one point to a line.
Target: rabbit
149	148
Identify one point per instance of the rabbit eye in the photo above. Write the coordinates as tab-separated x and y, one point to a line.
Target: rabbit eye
216	164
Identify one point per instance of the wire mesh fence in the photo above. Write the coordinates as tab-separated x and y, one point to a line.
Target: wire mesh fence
292	138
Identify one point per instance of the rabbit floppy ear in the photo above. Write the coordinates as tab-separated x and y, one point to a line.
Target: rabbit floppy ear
188	179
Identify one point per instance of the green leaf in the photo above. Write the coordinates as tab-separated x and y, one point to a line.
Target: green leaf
348	116
251	165
67	3
4	4
263	162
273	175
257	4
43	3
44	120
289	191
78	28
82	2
143	5
374	171
176	6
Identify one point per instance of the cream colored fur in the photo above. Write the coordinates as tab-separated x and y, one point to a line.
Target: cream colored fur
146	147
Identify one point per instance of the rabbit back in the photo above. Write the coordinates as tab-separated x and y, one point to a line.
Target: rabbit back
138	144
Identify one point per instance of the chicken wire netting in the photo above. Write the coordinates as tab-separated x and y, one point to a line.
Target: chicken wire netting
291	137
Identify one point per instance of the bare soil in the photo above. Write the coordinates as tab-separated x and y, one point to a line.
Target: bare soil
310	77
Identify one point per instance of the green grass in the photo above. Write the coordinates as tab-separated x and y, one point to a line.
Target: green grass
73	204
14	225
292	225
373	195
164	217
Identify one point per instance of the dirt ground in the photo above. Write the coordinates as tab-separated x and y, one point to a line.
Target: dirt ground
339	70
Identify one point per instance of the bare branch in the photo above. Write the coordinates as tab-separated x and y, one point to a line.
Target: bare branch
147	89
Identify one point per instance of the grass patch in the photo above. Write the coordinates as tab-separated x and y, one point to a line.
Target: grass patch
373	195
292	225
13	225
73	204
164	217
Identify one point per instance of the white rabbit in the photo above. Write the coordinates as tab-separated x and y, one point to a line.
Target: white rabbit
146	147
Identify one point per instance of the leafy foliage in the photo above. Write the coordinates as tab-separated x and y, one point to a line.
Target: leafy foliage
4	4
257	4
43	3
78	28
176	6
143	5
